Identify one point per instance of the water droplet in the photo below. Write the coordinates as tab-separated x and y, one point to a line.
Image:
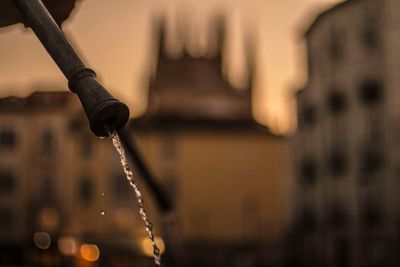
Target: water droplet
103	212
102	194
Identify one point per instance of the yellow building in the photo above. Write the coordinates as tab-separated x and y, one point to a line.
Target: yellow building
226	179
225	174
56	178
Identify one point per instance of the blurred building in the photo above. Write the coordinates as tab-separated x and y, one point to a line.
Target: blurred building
347	151
225	172
62	187
52	189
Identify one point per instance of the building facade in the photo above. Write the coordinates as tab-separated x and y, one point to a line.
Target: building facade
346	150
225	173
56	178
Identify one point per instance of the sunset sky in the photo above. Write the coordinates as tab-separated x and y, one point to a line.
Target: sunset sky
113	37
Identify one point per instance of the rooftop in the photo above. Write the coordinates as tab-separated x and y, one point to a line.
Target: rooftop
37	101
329	11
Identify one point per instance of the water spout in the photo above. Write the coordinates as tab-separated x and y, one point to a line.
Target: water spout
100	106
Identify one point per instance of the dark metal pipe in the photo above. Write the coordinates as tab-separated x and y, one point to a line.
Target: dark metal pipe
101	108
162	199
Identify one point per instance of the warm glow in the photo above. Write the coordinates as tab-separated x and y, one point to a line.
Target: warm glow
67	245
90	252
49	219
122	218
122	59
147	248
42	240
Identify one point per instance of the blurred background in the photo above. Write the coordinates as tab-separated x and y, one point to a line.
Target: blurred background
262	133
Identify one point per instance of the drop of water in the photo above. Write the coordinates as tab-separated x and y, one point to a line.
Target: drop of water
103	212
102	194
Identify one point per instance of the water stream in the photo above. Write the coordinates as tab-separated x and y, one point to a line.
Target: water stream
129	176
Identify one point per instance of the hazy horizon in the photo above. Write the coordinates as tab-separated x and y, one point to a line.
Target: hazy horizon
115	40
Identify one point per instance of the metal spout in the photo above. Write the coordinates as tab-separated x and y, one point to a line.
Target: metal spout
101	108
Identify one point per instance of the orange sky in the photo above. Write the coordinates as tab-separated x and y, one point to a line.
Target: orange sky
114	38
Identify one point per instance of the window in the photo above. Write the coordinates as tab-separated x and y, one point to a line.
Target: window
7	182
343	250
308	115
85	189
370	33
307	220
75	124
308	172
336	45
48	142
336	102
371	92
47	188
370	38
337	163
6	217
86	146
338	217
7	139
371	214
372	160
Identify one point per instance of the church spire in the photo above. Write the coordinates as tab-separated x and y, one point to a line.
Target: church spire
250	53
160	36
220	38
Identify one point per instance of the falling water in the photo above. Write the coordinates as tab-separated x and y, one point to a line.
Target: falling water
129	176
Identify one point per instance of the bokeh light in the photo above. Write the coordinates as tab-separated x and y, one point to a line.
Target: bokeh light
48	219
90	252
42	240
147	247
67	245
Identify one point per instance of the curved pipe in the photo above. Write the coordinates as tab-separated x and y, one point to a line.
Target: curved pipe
101	108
